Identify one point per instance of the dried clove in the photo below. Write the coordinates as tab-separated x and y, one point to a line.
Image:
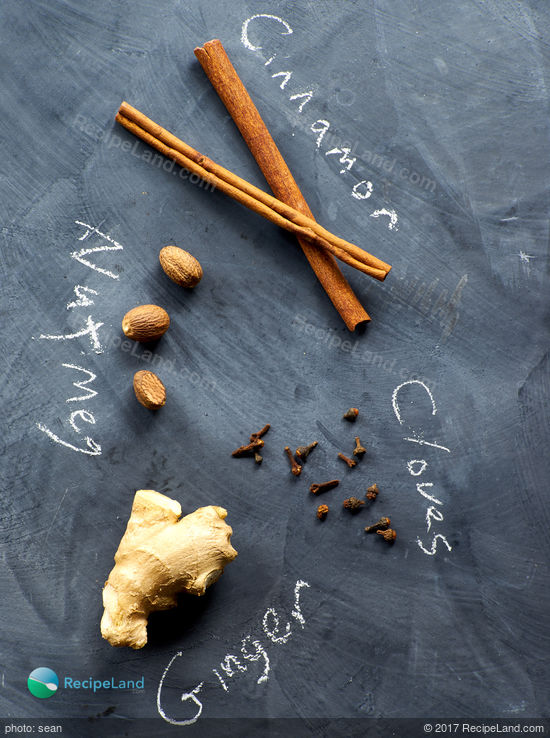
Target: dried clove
302	452
382	524
388	535
350	462
372	492
359	450
316	488
260	433
351	414
322	512
353	504
250	448
295	468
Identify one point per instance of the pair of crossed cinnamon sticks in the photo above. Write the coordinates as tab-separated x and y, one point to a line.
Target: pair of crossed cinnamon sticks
248	194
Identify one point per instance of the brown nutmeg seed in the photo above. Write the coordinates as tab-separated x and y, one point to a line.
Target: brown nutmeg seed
149	390
180	266
145	323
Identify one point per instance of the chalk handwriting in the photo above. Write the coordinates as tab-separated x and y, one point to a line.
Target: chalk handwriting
82	300
90	329
79	255
286	76
417	467
344	159
93	448
77	418
81	385
304	96
244	33
321	127
362	189
392	215
251	651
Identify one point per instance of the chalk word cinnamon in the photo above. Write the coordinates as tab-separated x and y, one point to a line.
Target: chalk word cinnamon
363	188
83	295
417	467
250	651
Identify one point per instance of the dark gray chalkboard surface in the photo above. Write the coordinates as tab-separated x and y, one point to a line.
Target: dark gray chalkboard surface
419	131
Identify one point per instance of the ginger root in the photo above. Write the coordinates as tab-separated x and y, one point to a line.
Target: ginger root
160	555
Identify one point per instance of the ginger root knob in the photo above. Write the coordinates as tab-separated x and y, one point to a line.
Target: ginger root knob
160	555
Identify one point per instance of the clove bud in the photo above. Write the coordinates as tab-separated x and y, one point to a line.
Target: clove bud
295	468
351	414
316	488
359	450
372	492
388	535
250	449
353	504
382	524
350	462
302	452
322	512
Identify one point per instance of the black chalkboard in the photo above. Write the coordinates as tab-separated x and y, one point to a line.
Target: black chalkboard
419	131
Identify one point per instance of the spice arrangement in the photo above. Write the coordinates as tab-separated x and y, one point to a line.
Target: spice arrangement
162	553
298	459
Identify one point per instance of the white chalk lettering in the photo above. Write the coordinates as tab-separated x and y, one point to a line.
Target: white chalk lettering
272	630
344	159
286	76
391	214
184	697
251	651
94	449
297	613
82	300
417	467
433	550
397	390
423	466
362	190
91	329
80	385
226	665
83	415
321	127
245	40
299	95
260	653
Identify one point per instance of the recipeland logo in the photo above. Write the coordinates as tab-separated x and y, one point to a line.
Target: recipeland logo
44	682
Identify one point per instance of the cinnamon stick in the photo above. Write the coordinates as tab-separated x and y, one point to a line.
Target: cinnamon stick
228	85
247	194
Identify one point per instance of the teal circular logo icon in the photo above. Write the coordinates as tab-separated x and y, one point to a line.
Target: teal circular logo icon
42	682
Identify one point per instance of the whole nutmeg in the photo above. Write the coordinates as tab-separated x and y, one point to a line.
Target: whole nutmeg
145	323
180	266
149	390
